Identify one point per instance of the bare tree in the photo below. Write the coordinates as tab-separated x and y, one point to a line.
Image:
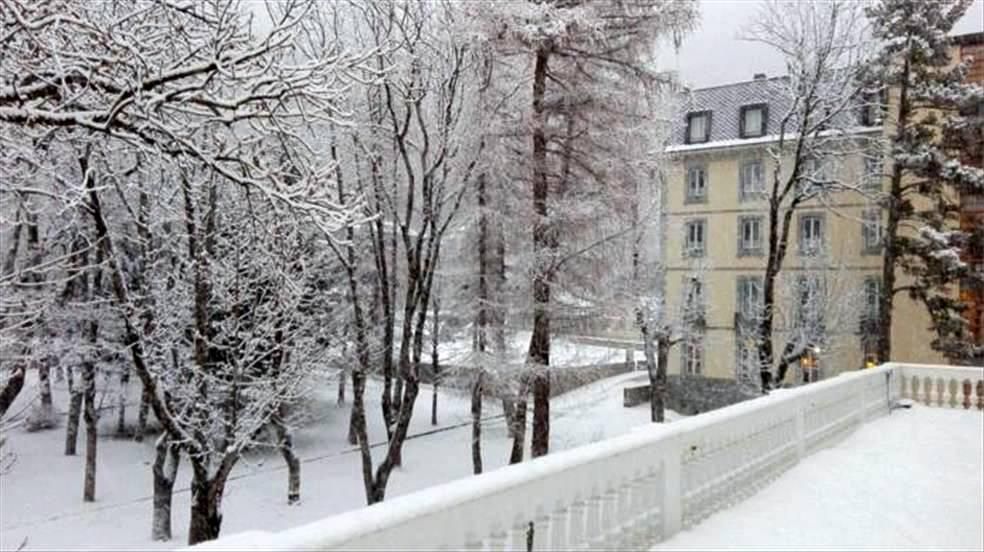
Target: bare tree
822	44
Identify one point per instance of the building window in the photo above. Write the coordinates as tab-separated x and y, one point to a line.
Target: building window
695	233
696	184
872	109
871	231
810	234
870	318
747	370
693	356
698	127
753	120
809	314
816	175
751	180
872	178
749	297
872	299
749	236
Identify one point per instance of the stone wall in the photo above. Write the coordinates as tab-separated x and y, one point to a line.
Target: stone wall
691	395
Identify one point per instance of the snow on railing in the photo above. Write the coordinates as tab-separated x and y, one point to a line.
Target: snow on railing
944	386
627	492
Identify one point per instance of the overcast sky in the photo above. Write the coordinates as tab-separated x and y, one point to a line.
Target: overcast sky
713	54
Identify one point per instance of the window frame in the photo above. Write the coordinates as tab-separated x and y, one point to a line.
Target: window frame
869	218
689	197
748	195
742	284
872	179
688	250
742	131
693	356
755	251
687	138
804	249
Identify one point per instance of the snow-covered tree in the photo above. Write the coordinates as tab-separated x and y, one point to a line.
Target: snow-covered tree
586	62
933	118
822	45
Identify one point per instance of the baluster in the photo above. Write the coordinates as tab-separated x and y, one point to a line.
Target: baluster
497	538
966	394
927	391
939	391
980	394
654	506
914	387
904	391
623	515
609	523
637	512
473	541
518	535
952	387
592	521
541	529
575	531
559	522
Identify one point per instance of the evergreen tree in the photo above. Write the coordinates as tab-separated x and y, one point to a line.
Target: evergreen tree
928	124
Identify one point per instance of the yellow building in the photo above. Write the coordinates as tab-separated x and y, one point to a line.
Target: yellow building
715	232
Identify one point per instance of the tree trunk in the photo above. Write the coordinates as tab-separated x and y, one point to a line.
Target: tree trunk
206	501
778	242
12	388
142	416
166	460
91	430
435	366
121	402
891	238
341	387
353	434
74	412
543	245
652	367
44	389
476	413
286	445
518	431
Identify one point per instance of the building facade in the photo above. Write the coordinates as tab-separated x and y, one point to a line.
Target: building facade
715	233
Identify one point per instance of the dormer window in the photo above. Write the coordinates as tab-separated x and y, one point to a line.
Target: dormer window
698	127
753	120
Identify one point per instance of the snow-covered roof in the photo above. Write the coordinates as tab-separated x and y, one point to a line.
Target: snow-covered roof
725	102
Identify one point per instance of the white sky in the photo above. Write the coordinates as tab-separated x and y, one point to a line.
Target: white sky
714	55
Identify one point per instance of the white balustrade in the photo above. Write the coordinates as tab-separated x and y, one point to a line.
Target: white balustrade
637	489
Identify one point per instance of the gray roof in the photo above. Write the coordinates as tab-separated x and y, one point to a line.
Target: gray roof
725	102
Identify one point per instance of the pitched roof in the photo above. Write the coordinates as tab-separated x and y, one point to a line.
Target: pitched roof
725	103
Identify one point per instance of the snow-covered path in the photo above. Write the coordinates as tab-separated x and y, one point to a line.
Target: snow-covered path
912	480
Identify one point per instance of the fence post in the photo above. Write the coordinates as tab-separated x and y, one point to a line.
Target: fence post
672	510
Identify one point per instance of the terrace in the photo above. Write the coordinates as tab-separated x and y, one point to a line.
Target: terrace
832	464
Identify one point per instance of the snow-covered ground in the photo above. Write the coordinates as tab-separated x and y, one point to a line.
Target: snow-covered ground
40	499
563	352
912	480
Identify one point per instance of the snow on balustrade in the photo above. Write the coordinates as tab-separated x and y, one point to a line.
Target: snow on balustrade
634	490
944	386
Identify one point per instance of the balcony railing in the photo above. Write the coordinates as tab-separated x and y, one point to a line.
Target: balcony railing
638	489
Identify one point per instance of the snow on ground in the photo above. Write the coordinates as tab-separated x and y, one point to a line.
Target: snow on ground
40	499
911	480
